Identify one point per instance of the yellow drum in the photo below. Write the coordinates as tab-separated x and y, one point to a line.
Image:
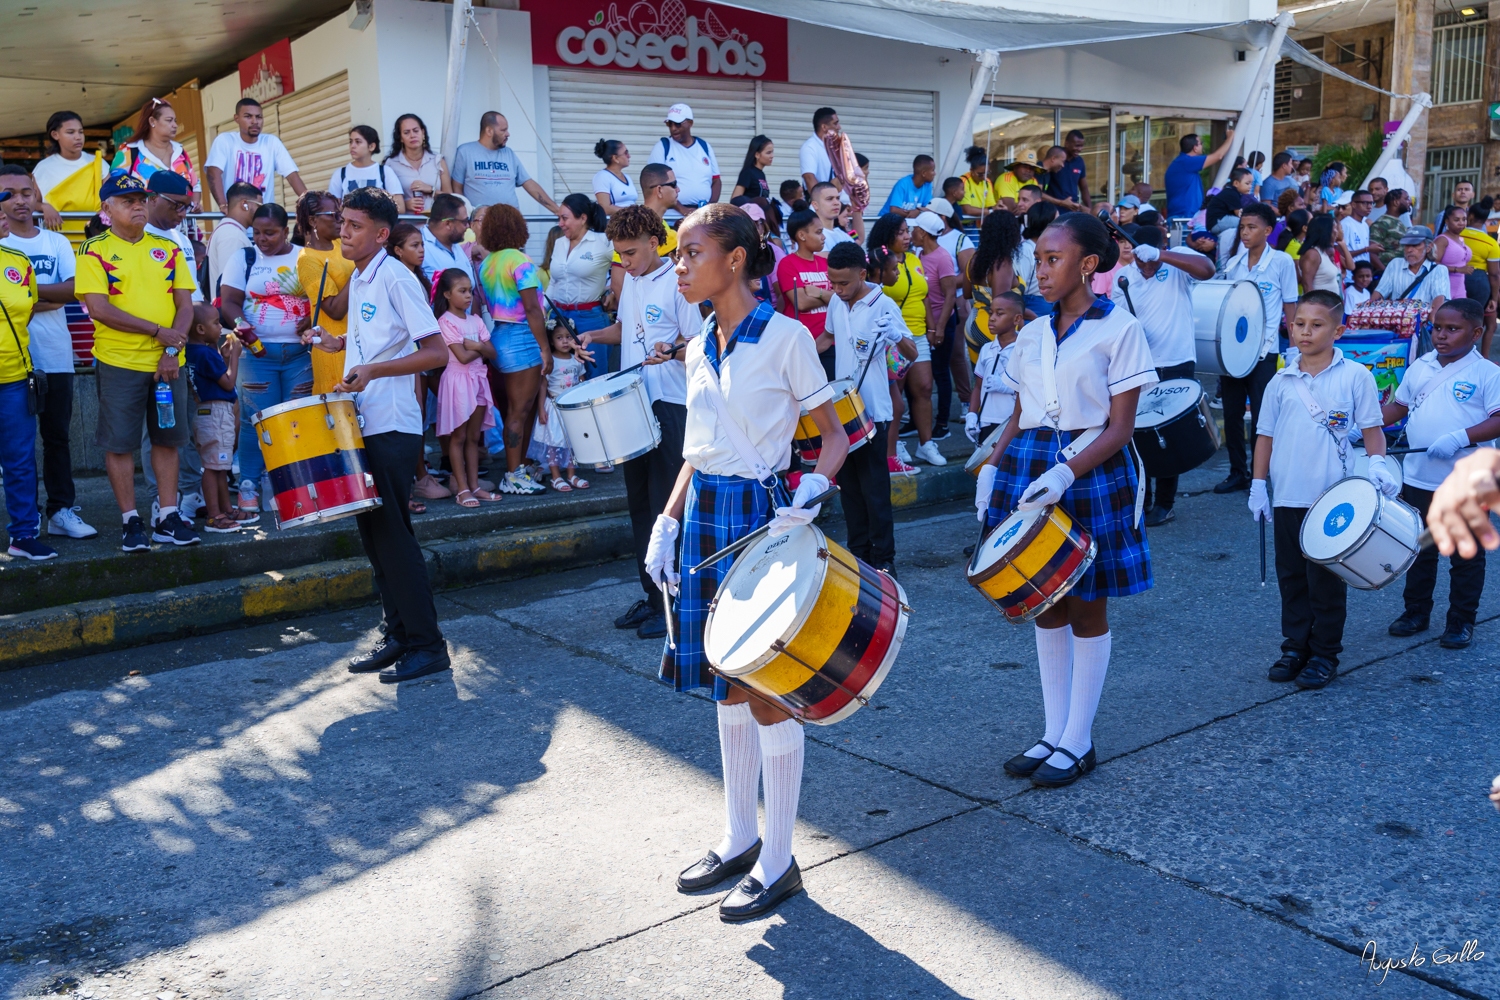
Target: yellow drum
315	458
851	410
1030	561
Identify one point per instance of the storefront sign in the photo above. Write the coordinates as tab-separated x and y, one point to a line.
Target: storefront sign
267	75
658	36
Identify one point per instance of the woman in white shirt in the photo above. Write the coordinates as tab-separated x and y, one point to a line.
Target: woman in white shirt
579	269
64	170
362	171
612	187
725	490
1101	361
422	172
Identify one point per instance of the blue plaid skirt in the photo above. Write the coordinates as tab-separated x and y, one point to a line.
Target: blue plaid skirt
1102	501
719	510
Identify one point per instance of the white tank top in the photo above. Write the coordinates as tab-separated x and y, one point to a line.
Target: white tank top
1327	278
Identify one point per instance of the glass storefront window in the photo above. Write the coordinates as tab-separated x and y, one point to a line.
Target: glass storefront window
1130	132
1166	134
1095	128
1009	130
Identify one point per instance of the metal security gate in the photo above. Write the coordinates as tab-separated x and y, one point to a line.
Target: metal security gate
1446	166
314	126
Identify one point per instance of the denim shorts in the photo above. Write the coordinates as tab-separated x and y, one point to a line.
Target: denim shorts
516	348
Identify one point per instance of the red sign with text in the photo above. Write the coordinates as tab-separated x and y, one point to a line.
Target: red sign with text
267	75
658	36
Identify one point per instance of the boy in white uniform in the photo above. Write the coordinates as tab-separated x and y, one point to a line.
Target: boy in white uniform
1452	398
993	399
1305	453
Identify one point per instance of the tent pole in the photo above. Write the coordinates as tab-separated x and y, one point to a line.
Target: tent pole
458	40
1420	103
963	136
1252	100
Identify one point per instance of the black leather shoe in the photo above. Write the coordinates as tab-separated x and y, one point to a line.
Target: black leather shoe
1458	637
1160	516
385	652
1287	668
654	627
416	663
1048	776
750	899
1408	624
712	870
1233	484
639	612
1318	672
1022	766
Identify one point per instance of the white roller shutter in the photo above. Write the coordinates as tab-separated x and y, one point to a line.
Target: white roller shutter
314	126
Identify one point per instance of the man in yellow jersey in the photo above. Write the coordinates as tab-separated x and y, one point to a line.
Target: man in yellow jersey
139	293
18	295
979	195
1017	175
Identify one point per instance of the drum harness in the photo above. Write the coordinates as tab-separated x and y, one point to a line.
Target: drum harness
1318	414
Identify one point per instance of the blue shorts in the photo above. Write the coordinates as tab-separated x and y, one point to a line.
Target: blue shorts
516	348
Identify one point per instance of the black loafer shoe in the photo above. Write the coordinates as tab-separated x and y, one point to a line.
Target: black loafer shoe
639	612
382	654
750	899
1233	484
1160	516
654	627
1318	672
1048	776
712	870
416	663
1022	766
1458	637
1287	668
1408	624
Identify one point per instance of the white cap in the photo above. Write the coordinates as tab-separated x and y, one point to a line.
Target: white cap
1344	198
929	222
941	206
679	113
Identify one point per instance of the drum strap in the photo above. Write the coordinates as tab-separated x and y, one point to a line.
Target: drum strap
736	434
1320	417
1444	378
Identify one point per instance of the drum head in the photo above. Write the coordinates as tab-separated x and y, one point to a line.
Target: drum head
603	387
768	590
1166	401
297	404
1359	465
1339	518
1007	538
1242	323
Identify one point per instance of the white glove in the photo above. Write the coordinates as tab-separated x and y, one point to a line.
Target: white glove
971	426
1448	445
1380	475
1260	503
798	514
661	552
1047	488
983	489
1146	253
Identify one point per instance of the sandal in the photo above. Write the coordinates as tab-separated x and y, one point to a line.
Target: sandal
416	507
471	502
243	517
223	524
488	496
578	483
561	485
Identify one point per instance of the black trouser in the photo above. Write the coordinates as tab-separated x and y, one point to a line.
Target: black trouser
57	459
942	373
828	360
1236	392
865	492
648	484
1465	576
1314	602
408	613
1162	491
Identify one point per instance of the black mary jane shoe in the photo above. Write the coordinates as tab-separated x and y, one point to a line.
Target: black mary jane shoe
1318	672
1287	668
711	869
385	652
1048	776
639	612
749	899
1458	636
1022	766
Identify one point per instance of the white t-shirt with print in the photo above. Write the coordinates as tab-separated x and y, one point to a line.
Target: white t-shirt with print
52	261
274	300
349	178
255	163
695	167
1451	401
653	311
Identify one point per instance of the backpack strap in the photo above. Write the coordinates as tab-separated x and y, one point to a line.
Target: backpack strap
249	265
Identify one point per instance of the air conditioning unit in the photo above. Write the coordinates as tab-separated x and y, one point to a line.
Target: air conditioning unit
1495	128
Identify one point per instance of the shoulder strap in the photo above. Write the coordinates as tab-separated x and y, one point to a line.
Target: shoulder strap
1420	278
736	434
249	265
25	354
1444	379
666	148
381	169
1320	417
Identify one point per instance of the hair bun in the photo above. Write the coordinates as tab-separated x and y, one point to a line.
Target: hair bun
601	149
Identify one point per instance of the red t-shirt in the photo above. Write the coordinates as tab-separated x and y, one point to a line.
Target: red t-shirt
794	272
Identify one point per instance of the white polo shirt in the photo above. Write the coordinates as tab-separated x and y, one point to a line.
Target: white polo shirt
770	376
1450	401
1399	275
1305	452
997	397
1164	305
695	167
870	324
579	274
1106	354
813	159
387	307
1276	277
653	311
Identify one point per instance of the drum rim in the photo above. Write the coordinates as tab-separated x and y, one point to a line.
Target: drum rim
898	639
1190	409
798	620
974	469
328	514
629	386
1026	539
633	455
1061	592
1380	500
852	390
289	405
1219	341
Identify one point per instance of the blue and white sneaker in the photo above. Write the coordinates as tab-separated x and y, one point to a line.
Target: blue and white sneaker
31	548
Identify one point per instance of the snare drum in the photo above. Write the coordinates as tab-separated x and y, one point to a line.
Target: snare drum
315	459
1030	561
1359	465
1229	321
1360	534
851	411
985	449
1174	432
609	419
804	623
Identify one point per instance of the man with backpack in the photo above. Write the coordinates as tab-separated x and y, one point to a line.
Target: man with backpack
691	159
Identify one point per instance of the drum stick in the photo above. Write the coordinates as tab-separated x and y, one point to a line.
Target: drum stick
1115	231
1262	550
666	606
318	302
734	547
642	364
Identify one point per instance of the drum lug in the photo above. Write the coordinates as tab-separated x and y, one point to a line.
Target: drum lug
360	419
823	553
713	605
312	490
329	417
266	437
369	480
1387	568
1161	442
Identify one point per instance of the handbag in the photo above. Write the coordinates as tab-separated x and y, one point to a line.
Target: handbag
36	382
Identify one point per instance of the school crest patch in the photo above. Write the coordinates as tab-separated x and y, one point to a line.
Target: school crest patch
653	313
1463	390
1338	420
367	311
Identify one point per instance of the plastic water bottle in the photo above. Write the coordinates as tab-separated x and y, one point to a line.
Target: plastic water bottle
166	415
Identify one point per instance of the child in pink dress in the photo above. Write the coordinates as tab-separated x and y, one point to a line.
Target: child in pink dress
465	407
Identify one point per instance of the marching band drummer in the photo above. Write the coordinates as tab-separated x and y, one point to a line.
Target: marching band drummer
749	376
1078	374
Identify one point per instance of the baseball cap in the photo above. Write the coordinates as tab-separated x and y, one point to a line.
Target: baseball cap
679	113
929	222
1129	201
1344	198
166	182
941	207
1416	236
754	211
1025	158
120	182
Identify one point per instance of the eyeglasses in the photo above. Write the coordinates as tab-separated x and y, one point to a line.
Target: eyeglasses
667	184
181	206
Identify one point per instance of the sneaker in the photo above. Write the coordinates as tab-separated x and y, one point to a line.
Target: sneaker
902	453
907	430
519	483
31	548
929	453
67	522
1159	516
428	488
940	433
135	536
900	468
191	505
172	530
248	501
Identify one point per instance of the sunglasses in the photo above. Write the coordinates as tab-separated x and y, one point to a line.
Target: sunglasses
325	215
667	184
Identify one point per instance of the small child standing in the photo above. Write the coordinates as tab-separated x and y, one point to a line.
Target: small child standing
993	400
1357	293
465	407
1452	396
1302	443
213	367
549	439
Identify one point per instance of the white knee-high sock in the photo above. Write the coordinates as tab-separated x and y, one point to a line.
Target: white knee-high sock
781	749
739	748
1054	657
1090	664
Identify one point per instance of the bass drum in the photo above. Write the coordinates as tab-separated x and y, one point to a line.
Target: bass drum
1174	432
1229	321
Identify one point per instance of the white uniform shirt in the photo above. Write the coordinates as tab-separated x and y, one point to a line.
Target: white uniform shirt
869	324
1356	236
1456	401
1305	454
579	274
255	163
1106	354
997	399
1399	275
695	167
620	192
1276	277
770	376
1164	305
349	178
653	311
1355	297
386	307
52	261
180	238
833	237
813	159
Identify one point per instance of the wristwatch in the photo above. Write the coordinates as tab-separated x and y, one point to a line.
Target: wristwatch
172	352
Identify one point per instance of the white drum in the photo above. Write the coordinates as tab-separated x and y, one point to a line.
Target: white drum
1359	465
1229	321
983	451
609	419
1360	534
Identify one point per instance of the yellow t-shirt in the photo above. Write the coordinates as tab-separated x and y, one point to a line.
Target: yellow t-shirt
978	194
310	272
18	295
139	279
910	293
1484	246
663	249
1007	185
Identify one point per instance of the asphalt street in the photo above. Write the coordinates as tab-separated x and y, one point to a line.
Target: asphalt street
235	815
